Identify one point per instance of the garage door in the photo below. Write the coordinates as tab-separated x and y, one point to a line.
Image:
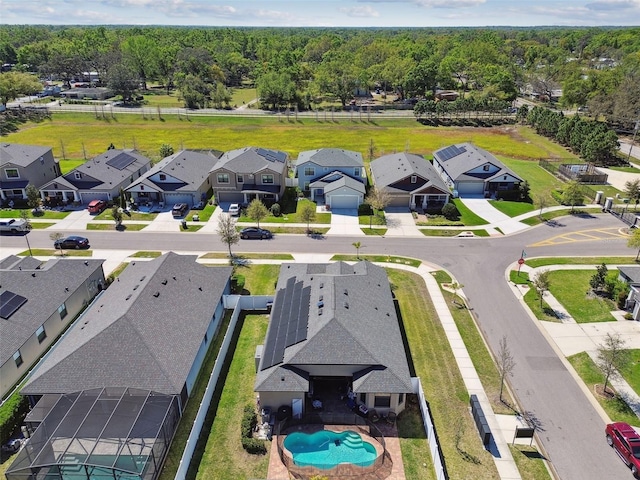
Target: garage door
343	201
229	197
470	188
87	197
402	201
173	198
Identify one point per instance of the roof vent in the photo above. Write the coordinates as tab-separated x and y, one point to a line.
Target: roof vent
322	285
157	294
176	278
86	262
320	304
346	292
164	282
33	274
346	305
128	297
320	311
143	278
200	288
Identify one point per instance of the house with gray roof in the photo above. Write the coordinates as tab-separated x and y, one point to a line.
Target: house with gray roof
631	275
100	178
333	324
248	173
332	176
470	170
38	301
410	181
21	165
179	178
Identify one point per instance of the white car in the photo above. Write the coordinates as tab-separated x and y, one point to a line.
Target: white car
234	210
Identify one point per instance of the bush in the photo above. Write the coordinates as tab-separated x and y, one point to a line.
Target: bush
450	212
12	413
275	209
509	195
365	209
237	283
254	446
249	421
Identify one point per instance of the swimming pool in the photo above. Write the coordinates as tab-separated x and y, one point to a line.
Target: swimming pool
326	449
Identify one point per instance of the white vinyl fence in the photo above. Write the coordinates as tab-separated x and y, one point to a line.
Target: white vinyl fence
432	437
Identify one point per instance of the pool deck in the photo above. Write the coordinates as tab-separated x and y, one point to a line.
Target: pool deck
278	471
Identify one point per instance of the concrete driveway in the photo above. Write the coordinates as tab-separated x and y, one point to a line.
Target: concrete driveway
400	223
497	219
164	222
344	221
617	178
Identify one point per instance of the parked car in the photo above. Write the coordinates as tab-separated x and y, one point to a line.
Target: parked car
14	225
179	209
253	232
626	442
73	241
234	209
96	206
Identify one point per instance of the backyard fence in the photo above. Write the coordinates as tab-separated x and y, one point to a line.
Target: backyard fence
430	429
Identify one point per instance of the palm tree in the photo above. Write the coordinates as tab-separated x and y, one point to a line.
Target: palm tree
357	245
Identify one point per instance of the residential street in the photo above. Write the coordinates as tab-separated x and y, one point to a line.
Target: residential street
570	428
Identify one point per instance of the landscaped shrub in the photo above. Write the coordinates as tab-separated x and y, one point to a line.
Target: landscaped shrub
247	427
450	212
509	195
254	446
237	284
12	413
275	209
365	209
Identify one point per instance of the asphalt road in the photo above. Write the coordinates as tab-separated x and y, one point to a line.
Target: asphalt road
569	427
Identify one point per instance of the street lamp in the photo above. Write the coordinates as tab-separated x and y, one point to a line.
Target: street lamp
26	237
633	140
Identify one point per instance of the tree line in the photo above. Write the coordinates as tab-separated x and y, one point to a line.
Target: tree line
304	67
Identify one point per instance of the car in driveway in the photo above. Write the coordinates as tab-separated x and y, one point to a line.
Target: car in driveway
73	241
253	232
179	209
234	209
623	438
96	206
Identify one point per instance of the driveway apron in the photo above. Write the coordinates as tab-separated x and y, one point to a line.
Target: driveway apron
497	219
400	223
164	222
344	221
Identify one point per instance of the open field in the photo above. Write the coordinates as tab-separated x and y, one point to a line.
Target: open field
80	135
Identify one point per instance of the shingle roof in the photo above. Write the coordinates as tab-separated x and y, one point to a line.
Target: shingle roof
394	167
46	286
21	155
356	325
336	180
467	158
189	166
251	160
630	272
331	157
144	332
104	171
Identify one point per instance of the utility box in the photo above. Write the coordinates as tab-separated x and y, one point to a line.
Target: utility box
481	422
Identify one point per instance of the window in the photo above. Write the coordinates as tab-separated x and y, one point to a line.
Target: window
356	171
240	178
16	192
11	173
309	171
306	186
163	176
414	178
382	402
62	310
400	398
485	168
17	357
77	175
223	178
41	334
267	178
363	397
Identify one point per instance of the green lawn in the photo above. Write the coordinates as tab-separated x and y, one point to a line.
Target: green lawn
626	169
632	372
519	278
542	262
540	311
536	220
146	254
320	218
412	262
571	288
376	219
259	279
530	462
132	227
46	214
512	209
591	375
241	96
50	252
67	165
467	217
432	232
41	225
540	180
164	101
249	256
106	215
204	214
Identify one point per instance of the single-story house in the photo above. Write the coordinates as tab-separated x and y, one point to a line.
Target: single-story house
248	173
109	397
316	170
100	178
333	324
91	93
470	170
410	180
179	178
631	275
21	165
38	301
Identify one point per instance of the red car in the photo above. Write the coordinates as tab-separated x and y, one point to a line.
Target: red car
626	442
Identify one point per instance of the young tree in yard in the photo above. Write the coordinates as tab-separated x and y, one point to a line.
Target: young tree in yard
612	357
542	199
378	200
116	213
506	363
632	190
257	211
572	194
542	283
358	246
598	280
227	231
55	236
166	150
634	241
308	213
33	196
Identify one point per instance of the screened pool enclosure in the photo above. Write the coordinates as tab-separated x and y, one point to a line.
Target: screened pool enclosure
100	434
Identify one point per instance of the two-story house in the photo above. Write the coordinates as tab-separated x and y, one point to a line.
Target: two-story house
100	178
179	178
470	170
38	301
21	165
332	175
247	173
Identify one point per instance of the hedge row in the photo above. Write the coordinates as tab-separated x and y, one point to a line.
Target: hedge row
248	425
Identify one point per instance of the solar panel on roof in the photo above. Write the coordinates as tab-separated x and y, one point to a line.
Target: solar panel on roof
121	161
450	152
10	303
272	155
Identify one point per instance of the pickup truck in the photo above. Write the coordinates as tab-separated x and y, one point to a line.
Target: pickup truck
14	226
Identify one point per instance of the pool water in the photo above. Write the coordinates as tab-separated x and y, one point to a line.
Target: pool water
326	449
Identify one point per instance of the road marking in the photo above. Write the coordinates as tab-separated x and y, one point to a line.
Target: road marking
596	234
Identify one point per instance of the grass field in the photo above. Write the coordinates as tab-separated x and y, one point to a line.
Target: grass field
512	209
571	288
82	134
544	261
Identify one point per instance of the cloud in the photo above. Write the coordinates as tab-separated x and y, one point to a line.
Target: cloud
613	5
366	11
434	3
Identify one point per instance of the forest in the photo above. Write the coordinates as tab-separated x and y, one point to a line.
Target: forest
305	67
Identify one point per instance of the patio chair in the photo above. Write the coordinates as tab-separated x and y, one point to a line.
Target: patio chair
391	417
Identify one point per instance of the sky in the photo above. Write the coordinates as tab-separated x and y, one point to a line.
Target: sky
325	13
